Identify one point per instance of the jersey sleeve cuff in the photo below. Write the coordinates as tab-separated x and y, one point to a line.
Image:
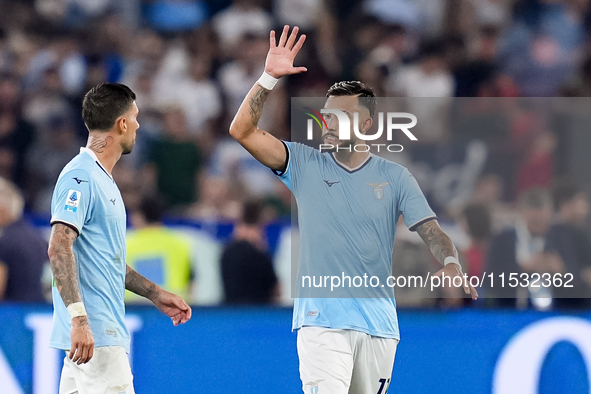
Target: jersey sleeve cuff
414	226
287	160
71	225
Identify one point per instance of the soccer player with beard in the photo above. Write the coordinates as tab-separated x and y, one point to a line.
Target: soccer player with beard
87	253
349	202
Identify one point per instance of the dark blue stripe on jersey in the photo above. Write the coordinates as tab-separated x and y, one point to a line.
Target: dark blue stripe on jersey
414	227
105	171
281	172
347	169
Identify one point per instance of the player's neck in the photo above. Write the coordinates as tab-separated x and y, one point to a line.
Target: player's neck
104	146
350	159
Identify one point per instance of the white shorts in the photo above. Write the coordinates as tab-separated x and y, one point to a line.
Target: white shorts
107	372
344	361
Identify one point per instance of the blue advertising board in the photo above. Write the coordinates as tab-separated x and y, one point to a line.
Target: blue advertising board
252	350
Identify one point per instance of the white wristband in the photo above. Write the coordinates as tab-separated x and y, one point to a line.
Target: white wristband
267	81
451	260
76	309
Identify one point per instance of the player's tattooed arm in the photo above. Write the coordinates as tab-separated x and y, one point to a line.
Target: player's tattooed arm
262	145
440	244
63	262
256	102
139	285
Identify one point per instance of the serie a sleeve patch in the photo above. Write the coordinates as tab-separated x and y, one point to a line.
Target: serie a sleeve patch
72	200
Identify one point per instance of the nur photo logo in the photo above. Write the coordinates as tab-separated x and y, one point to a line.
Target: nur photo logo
392	123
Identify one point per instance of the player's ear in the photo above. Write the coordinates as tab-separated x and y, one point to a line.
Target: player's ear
367	125
121	125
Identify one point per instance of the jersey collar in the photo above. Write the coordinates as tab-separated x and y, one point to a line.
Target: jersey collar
349	169
93	155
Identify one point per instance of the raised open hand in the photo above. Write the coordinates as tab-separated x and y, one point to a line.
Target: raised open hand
280	57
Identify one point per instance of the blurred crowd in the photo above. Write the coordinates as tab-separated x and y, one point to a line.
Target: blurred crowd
191	62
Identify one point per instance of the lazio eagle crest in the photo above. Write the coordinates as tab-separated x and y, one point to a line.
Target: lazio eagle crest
378	191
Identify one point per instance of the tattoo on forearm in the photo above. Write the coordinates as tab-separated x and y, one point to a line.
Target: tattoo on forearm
139	285
439	243
63	263
255	105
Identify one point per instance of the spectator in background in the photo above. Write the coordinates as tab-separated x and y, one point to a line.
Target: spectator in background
46	160
218	201
197	95
23	252
477	221
470	76
7	162
176	161
247	268
233	163
489	192
571	242
522	249
541	49
429	77
242	17
15	133
47	102
536	170
237	77
158	253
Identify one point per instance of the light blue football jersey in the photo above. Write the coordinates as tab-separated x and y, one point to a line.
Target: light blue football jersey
347	222
87	198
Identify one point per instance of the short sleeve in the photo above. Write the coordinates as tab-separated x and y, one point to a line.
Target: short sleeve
297	157
412	203
70	203
285	174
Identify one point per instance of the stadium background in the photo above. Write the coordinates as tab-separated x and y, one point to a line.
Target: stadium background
192	62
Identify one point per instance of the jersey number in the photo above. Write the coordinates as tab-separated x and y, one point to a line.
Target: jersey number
384	385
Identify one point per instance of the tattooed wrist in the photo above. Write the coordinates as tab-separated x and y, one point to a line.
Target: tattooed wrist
141	286
438	242
80	321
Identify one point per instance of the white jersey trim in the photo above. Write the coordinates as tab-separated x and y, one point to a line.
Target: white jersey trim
346	167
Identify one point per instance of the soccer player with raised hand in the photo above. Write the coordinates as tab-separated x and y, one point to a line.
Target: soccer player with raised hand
349	202
87	253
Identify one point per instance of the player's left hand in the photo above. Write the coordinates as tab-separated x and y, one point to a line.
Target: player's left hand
453	270
173	306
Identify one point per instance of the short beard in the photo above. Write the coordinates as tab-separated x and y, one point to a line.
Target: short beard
125	150
344	144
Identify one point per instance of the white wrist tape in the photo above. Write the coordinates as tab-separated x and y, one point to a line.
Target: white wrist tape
451	260
267	81
76	309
